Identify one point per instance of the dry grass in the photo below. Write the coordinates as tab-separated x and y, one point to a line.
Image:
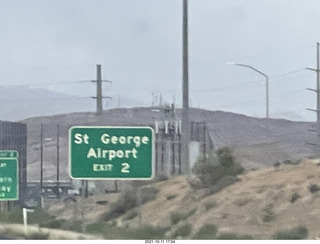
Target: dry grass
260	204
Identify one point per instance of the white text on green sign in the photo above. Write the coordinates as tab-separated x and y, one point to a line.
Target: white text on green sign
111	152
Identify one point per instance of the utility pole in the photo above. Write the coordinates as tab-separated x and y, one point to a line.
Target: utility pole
41	162
317	110
58	161
185	137
99	96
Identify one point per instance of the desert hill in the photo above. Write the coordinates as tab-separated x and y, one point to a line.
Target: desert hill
257	142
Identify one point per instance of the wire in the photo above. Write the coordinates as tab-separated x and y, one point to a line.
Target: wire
215	89
253	102
48	83
288	73
45	99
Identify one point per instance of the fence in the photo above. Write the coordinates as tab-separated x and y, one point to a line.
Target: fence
168	145
52	152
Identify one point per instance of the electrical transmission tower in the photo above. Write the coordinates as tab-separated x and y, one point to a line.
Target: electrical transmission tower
99	96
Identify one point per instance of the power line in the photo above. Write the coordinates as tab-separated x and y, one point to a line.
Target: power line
288	73
46	98
48	83
231	86
255	101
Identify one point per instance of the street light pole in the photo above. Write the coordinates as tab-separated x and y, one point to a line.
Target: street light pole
267	83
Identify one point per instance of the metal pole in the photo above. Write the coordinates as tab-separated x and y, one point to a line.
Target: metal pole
173	170
86	192
185	137
267	97
156	156
99	90
267	84
318	85
115	186
58	161
204	139
179	153
41	160
162	154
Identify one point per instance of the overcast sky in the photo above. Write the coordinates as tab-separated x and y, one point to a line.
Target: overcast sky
139	45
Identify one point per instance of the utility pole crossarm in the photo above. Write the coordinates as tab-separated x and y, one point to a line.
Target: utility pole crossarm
107	97
312	69
314	90
313	110
102	81
99	96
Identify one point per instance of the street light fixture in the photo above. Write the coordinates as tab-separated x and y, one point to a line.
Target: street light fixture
267	83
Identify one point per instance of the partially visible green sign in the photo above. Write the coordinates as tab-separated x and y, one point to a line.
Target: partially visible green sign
9	176
111	152
8	154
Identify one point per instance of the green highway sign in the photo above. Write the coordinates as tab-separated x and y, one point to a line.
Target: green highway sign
8	154
9	176
102	152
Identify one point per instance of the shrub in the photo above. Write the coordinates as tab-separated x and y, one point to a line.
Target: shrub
206	232
182	230
267	213
314	188
210	173
209	205
233	236
225	157
276	164
37	235
111	232
175	217
75	225
126	200
98	227
297	233
53	224
148	194
172	196
146	232
131	214
39	216
11	216
102	202
288	161
204	170
295	197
